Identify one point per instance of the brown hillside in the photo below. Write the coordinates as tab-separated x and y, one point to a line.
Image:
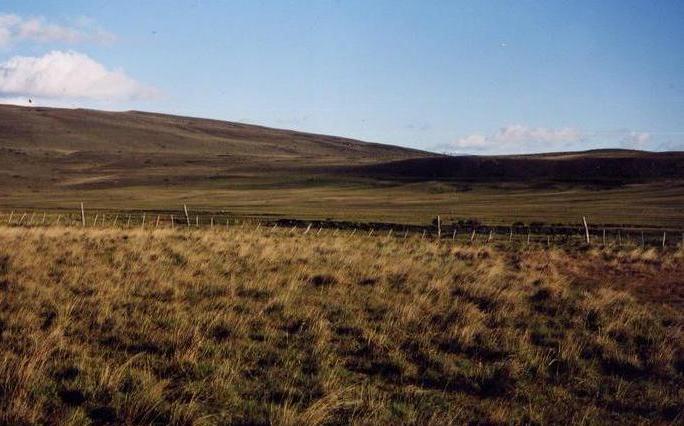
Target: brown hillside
606	166
69	130
57	158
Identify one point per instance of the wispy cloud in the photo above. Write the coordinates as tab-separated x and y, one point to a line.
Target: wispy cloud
636	140
518	136
68	75
475	141
14	29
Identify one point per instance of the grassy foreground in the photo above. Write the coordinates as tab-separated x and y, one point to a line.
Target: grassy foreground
259	326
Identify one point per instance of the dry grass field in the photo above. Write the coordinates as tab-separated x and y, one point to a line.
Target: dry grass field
650	204
259	326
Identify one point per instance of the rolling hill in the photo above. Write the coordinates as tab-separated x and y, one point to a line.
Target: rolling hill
72	130
55	158
609	167
42	147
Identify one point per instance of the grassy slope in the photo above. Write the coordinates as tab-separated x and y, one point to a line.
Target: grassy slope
251	327
71	130
605	167
55	158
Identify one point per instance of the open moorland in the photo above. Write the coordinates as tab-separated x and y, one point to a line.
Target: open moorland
248	325
57	158
309	284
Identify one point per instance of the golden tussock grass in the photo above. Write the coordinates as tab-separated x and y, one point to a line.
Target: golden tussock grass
259	326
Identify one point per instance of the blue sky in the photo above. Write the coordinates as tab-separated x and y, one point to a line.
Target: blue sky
483	77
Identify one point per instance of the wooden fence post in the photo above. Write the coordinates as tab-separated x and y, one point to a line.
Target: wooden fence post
453	235
586	229
9	221
664	236
529	234
95	220
643	242
472	236
604	236
116	218
43	221
439	227
405	233
128	222
156	225
197	221
490	235
185	208
58	218
33	214
83	222
308	228
510	236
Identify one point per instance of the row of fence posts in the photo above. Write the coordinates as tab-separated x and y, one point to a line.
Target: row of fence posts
437	222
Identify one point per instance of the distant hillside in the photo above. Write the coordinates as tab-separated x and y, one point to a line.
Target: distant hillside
44	148
72	130
58	158
85	147
602	166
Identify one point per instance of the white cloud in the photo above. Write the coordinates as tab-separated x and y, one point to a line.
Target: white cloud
14	28
519	135
68	75
518	138
636	140
472	141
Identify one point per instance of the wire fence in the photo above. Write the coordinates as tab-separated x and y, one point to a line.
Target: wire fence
465	231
